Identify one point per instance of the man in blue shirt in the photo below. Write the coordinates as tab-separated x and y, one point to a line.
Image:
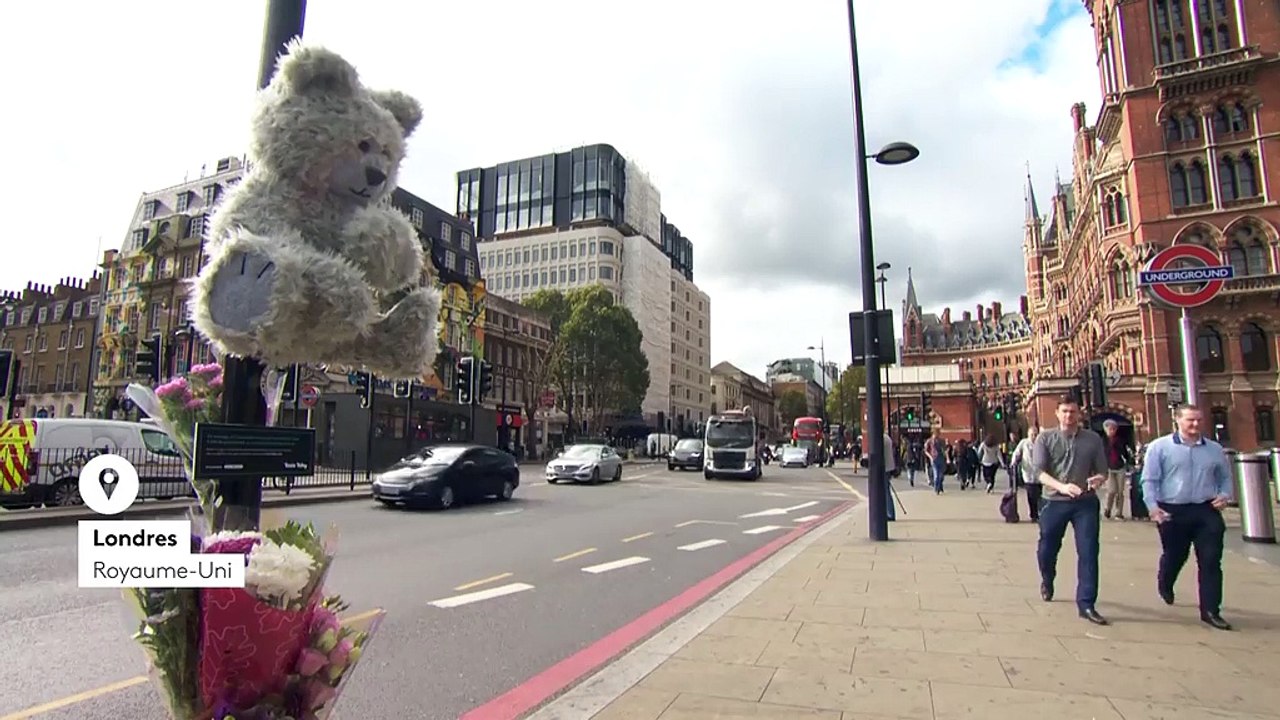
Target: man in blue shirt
1185	483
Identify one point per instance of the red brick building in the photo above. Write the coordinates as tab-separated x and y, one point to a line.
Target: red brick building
1185	149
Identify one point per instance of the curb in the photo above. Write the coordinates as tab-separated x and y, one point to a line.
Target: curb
610	664
36	520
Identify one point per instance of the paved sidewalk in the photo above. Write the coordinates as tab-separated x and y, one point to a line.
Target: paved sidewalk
945	622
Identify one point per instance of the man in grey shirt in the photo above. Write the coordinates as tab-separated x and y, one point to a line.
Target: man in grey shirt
1071	463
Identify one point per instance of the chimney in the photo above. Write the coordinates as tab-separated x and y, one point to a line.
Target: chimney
1022	306
946	318
995	311
967	316
982	314
1077	116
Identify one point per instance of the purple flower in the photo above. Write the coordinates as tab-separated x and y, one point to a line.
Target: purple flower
216	382
310	662
194	404
236	544
206	370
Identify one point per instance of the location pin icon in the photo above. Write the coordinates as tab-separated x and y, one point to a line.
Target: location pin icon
108	479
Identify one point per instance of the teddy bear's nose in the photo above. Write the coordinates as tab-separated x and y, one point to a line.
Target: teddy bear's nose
374	176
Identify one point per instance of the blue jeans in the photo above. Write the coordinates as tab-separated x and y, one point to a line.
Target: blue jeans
1082	515
938	471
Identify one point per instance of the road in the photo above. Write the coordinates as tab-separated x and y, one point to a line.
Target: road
479	598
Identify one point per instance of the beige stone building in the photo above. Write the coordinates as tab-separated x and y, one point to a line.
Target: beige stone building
733	388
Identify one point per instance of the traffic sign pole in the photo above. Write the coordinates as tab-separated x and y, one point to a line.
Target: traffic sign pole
1160	280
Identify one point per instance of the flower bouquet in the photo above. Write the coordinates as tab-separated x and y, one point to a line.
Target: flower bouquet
273	650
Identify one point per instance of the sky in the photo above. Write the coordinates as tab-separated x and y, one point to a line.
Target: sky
740	111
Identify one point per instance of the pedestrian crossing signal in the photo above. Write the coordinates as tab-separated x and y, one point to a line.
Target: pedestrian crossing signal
999	413
402	388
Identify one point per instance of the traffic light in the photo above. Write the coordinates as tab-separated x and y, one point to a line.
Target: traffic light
146	363
290	392
486	379
911	414
402	388
999	413
1097	385
465	381
926	406
364	388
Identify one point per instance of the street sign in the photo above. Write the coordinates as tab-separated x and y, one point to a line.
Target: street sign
1113	378
1209	273
1176	395
232	452
310	395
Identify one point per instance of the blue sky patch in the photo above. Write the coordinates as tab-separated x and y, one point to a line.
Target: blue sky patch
1059	12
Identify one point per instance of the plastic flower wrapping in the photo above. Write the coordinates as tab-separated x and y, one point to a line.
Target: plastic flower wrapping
276	649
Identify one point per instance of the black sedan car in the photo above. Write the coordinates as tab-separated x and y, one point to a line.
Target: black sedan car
687	455
444	475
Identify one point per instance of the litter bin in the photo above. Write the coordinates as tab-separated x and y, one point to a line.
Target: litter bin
1253	492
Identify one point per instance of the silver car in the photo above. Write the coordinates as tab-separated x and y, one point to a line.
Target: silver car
585	463
793	456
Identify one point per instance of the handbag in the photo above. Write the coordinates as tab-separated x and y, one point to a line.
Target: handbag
1009	506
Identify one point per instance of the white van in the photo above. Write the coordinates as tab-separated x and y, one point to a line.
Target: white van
40	459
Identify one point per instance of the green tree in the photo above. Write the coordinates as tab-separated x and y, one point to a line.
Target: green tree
843	402
791	405
595	353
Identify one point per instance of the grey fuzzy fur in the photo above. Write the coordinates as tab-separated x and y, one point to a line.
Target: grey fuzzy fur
304	249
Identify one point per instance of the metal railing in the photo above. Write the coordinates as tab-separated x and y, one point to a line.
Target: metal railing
162	475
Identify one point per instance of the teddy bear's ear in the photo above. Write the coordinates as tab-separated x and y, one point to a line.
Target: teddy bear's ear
307	70
406	110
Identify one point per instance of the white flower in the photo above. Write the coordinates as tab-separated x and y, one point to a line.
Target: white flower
232	535
279	573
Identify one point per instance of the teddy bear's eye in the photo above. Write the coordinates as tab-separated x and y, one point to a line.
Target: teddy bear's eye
364	146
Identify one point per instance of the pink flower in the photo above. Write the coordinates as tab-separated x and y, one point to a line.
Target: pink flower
340	654
324	620
206	369
172	390
310	662
240	545
195	404
216	382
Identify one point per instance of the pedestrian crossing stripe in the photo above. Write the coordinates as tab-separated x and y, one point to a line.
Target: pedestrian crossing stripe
15	446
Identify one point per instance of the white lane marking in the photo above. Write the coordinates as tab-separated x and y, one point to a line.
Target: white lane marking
509	512
807	518
762	529
491	593
606	567
637	477
801	506
687	523
774	494
701	545
765	513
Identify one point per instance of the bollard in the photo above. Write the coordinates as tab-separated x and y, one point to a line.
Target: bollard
1253	492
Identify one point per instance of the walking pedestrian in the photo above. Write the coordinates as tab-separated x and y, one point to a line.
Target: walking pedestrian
1116	492
989	460
935	452
1071	463
1022	465
1185	482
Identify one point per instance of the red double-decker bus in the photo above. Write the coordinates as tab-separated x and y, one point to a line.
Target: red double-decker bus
806	432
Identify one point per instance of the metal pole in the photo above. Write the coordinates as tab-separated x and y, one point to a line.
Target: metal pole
368	438
243	402
1188	333
888	390
877	488
474	383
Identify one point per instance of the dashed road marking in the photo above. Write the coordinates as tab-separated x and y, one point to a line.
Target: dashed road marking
509	512
762	529
807	518
491	593
801	506
701	545
765	513
633	538
615	565
774	494
687	523
485	581
576	554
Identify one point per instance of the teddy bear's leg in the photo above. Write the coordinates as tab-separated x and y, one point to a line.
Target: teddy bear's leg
280	301
402	344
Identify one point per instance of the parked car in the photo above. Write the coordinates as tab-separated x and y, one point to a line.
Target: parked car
686	455
795	456
444	475
585	463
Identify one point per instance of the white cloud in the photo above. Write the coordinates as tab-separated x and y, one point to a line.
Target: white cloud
738	110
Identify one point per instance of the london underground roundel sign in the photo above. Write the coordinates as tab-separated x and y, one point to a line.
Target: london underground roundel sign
1198	266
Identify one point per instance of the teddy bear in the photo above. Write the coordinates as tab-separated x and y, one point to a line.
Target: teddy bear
306	251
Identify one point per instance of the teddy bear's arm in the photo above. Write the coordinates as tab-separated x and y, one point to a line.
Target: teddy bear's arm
383	244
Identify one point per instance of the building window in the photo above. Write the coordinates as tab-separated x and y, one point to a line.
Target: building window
1254	349
1230	119
210	195
149	209
1170	26
1187	184
1182	128
1114	210
139	238
1209	350
1121	281
1220	427
1237	177
446	231
79	338
197	227
1264	424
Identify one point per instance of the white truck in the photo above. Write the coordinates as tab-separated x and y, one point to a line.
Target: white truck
732	446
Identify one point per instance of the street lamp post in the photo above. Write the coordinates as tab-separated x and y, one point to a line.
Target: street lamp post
822	373
243	402
892	154
887	390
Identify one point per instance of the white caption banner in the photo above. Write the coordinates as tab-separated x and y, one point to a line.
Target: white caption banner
150	553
